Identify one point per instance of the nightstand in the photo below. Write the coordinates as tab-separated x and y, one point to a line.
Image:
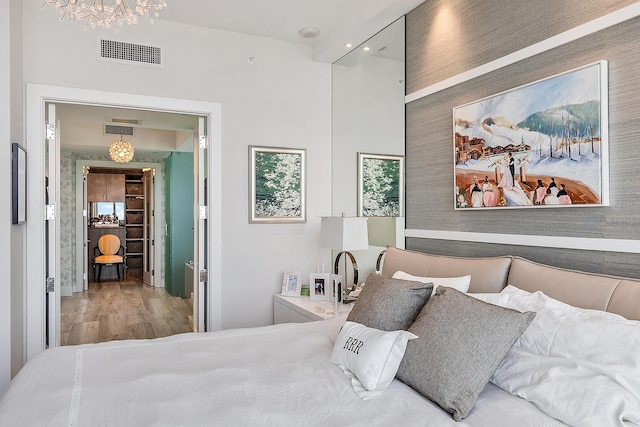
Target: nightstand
302	309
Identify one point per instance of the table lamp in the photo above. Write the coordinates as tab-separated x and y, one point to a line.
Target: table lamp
385	231
345	234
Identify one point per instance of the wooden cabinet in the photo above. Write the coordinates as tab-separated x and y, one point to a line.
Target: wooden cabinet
134	222
105	187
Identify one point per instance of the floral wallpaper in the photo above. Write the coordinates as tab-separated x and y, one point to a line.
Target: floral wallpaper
67	275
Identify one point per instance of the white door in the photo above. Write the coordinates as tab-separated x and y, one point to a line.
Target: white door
200	272
85	232
52	226
148	254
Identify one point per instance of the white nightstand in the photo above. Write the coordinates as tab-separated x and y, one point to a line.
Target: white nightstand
302	309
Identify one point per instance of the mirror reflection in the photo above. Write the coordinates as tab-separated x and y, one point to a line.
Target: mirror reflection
368	117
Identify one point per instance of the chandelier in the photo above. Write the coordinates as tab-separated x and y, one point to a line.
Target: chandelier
121	151
106	13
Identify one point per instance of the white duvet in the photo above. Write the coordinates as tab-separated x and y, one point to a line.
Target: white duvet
270	376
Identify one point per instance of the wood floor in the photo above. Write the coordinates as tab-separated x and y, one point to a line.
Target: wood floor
122	310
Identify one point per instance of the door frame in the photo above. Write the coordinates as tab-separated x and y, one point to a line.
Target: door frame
37	97
80	206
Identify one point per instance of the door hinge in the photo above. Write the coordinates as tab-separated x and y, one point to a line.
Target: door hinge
50	212
50	285
153	272
203	212
51	131
84	212
203	141
204	276
84	276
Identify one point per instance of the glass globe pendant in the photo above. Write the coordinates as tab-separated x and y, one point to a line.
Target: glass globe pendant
121	151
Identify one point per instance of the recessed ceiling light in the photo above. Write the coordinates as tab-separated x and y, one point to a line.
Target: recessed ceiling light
366	48
348	45
309	33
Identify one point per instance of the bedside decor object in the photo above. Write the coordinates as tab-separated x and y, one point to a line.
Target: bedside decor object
380	185
320	286
19	184
344	234
543	144
292	283
277	185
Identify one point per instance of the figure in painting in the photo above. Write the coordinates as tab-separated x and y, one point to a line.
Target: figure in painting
506	182
553	186
489	197
550	199
539	193
476	193
563	196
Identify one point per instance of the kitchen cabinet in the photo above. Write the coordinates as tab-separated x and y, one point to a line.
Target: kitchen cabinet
105	187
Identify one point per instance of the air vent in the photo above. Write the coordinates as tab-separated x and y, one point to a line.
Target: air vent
129	53
118	130
127	121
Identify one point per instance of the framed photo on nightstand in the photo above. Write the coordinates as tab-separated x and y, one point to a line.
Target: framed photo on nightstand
320	286
291	283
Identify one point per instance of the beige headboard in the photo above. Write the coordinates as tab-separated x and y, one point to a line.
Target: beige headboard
587	290
487	274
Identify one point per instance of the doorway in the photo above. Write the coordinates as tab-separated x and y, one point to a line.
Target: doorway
38	96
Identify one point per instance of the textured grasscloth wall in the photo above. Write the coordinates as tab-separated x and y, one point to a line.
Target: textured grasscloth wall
489	30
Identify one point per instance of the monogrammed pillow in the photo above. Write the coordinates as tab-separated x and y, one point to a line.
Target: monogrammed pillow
369	357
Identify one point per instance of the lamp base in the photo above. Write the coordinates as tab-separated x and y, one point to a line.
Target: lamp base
355	269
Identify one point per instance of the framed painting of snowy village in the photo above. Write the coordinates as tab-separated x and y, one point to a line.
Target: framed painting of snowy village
540	145
276	185
380	185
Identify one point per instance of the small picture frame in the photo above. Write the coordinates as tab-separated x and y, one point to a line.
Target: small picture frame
320	286
291	283
336	288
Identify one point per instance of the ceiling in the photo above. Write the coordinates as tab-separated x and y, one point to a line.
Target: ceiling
338	22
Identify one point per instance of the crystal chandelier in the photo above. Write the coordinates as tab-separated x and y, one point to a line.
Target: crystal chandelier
107	14
121	151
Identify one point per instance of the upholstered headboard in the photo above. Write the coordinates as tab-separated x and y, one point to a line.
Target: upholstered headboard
587	290
487	274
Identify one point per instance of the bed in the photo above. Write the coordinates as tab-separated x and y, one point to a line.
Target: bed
289	375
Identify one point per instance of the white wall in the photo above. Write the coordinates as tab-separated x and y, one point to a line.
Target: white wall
5	211
282	99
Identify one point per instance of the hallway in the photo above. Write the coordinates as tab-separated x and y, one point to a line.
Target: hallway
122	310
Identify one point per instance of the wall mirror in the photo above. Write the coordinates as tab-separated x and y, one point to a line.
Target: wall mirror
368	117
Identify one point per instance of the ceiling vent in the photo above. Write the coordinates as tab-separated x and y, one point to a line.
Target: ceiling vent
118	130
129	53
126	121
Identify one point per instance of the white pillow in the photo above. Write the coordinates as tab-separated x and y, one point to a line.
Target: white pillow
460	283
577	365
370	357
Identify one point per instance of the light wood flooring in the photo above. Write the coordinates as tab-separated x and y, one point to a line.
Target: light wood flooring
122	310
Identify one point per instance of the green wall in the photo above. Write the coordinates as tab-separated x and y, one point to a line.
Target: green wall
179	218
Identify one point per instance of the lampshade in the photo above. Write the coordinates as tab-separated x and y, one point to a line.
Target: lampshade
386	231
344	233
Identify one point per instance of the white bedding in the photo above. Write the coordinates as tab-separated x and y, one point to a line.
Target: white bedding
271	376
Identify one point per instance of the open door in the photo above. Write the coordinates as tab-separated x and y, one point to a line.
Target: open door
148	256
85	232
52	230
200	276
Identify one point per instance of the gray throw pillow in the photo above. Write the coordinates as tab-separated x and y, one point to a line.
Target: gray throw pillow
389	304
461	341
